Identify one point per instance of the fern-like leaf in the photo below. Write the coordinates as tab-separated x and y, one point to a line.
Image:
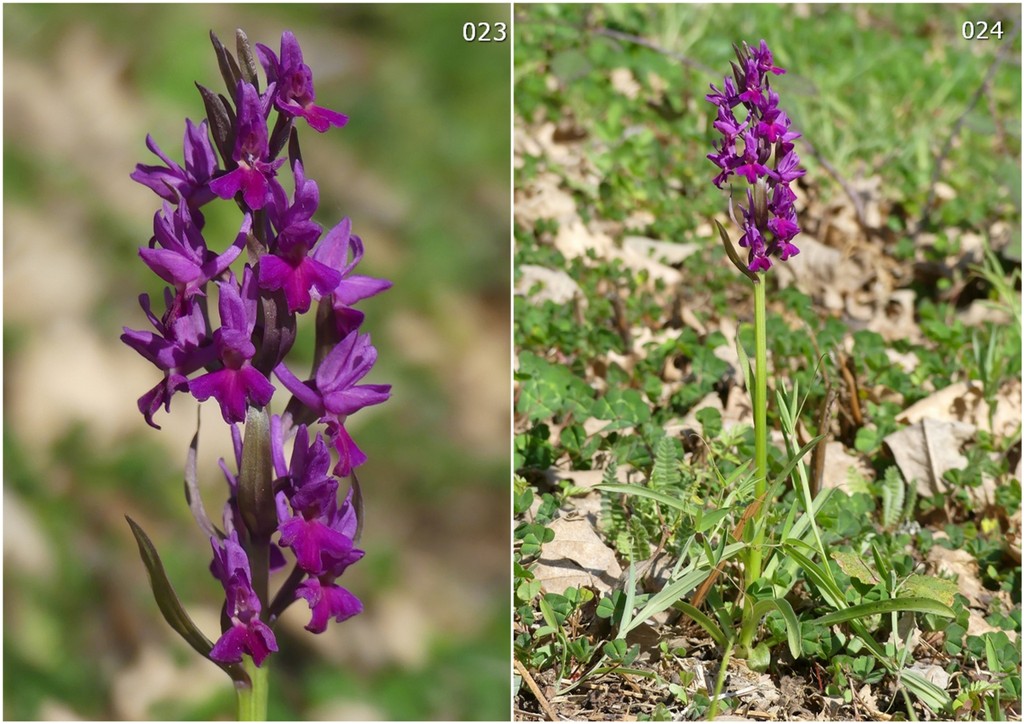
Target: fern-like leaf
893	497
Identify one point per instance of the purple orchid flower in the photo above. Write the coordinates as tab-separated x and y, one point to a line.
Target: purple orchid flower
254	175
247	633
342	250
172	182
275	506
290	267
294	94
327	600
311	494
183	258
180	346
238	382
334	394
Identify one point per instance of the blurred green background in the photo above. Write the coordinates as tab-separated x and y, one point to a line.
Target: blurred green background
423	171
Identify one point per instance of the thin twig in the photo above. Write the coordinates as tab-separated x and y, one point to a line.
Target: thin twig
948	146
548	711
858	203
637	40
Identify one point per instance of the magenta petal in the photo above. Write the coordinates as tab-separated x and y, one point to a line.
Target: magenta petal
326	602
358	287
310	540
274	272
230	646
260	641
257	385
349	454
256	189
320	119
224	386
229	184
306	394
353	399
170	266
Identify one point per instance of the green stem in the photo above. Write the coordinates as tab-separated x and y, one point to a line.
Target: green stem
252	699
720	682
752	570
760	392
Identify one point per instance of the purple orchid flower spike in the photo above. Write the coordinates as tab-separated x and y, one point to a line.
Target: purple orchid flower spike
238	383
254	175
172	182
247	633
294	94
277	509
767	162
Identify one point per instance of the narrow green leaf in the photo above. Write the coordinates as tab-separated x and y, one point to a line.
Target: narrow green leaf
761	608
734	256
709	519
627	608
548	613
643	492
704	621
817	576
935	698
746	373
167	600
863	610
798	457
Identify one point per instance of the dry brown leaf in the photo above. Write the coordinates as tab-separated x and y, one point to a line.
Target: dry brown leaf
555	285
925	450
575	239
667	251
738	409
965	402
961	564
576	557
623	82
933	673
544	198
837	466
893	318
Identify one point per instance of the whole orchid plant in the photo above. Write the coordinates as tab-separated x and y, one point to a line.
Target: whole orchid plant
282	512
756	152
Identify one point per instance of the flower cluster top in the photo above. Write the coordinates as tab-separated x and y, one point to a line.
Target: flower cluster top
232	354
759	149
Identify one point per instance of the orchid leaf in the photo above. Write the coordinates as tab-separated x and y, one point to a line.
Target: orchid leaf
173	612
902	603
